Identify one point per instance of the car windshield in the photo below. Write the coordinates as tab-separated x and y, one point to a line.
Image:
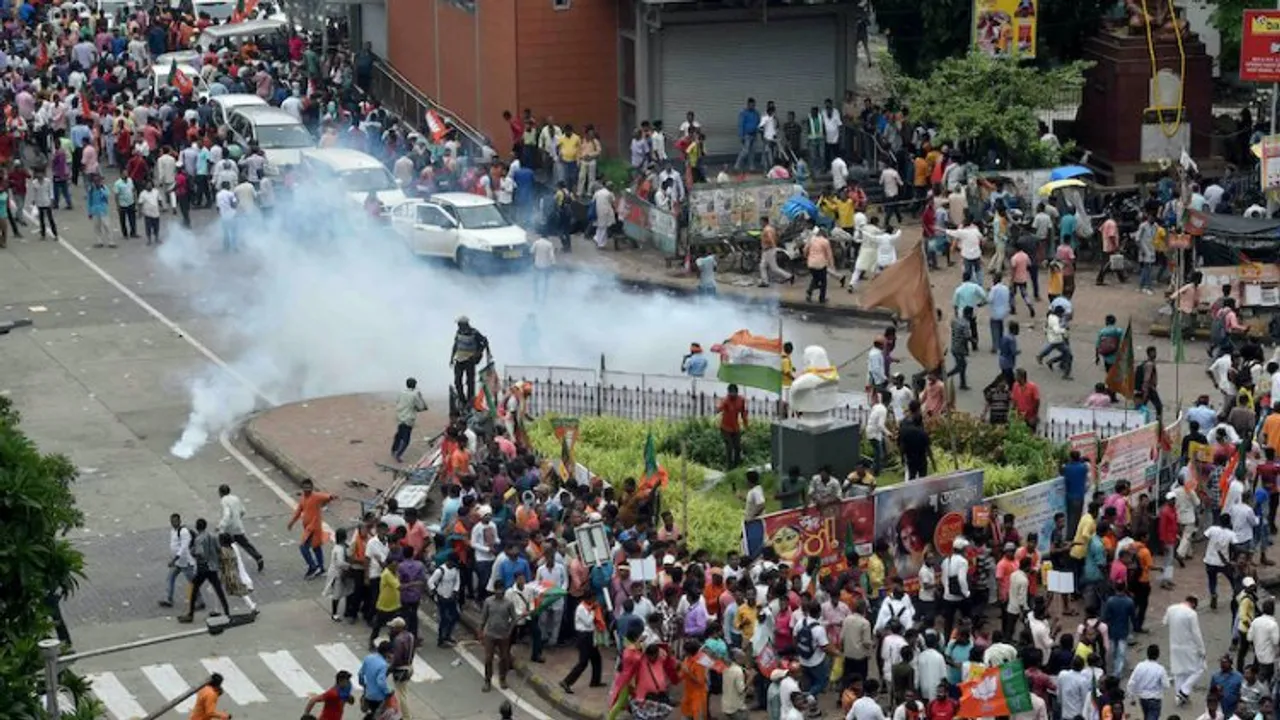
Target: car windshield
480	217
284	136
368	180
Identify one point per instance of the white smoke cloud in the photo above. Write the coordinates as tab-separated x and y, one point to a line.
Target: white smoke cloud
322	303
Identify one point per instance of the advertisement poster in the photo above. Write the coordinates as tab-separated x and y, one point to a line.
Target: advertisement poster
916	517
1086	444
802	533
1132	456
1270	165
1258	60
1005	28
1033	508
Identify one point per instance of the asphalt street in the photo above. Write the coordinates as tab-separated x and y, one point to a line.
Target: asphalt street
103	376
104	379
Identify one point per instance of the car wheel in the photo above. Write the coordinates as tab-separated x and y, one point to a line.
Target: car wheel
465	260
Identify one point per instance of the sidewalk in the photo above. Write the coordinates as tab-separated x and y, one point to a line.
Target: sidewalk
647	269
338	438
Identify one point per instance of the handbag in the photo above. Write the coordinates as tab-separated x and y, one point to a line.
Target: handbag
662	698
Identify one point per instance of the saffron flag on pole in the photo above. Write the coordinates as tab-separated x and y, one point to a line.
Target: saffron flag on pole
655	475
179	79
903	287
995	692
566	429
1120	378
486	399
751	360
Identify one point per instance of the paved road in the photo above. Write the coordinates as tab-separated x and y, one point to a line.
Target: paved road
103	380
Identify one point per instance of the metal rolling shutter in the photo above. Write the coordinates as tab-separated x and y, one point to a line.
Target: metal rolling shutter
713	69
373	26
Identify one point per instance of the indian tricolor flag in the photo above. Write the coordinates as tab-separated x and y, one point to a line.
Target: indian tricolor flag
751	360
546	593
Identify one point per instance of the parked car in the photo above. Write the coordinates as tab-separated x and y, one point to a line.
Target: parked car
356	172
465	228
280	135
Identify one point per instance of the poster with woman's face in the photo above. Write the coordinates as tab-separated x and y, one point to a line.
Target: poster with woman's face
916	517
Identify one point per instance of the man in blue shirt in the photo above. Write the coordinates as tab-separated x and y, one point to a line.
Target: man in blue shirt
97	201
1067	227
1008	351
1202	413
1227	682
1118	612
1075	474
373	678
999	298
748	130
695	363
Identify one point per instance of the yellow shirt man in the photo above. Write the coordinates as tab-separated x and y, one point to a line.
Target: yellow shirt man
569	145
789	373
1085	531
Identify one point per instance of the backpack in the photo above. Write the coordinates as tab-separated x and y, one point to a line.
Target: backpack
1108	345
1091	637
804	639
953	581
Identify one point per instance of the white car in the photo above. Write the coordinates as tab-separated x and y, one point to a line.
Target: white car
161	86
224	105
279	134
356	172
465	228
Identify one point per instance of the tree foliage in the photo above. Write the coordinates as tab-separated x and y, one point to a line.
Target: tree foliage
982	102
37	510
923	33
1228	19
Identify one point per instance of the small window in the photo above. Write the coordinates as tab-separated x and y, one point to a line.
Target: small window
561	4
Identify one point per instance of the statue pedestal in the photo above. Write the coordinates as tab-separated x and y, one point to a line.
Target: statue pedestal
837	443
1116	120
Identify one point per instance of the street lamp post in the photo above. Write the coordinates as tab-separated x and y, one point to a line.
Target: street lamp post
49	651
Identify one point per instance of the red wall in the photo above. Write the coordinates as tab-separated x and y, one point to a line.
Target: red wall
562	63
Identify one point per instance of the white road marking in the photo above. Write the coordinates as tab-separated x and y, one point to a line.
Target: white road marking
291	673
235	684
422	672
166	679
341	658
119	701
224	439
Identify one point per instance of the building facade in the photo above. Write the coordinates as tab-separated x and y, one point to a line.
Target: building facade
614	63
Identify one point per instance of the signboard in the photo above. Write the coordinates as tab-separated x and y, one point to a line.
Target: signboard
1005	28
828	532
1133	456
1086	443
1260	46
1270	165
1033	508
917	517
645	223
722	210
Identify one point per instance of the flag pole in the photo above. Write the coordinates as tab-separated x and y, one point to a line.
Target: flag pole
951	402
684	482
1177	320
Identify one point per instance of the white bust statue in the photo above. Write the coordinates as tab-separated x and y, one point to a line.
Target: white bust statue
815	392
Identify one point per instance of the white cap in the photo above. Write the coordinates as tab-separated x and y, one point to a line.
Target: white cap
1171	495
1248	582
960	544
668	560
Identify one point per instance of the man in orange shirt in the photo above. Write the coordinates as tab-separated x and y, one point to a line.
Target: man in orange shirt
1271	426
1026	398
821	261
206	707
733	420
311	511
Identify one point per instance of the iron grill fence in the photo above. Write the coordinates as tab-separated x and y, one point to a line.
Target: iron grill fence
635	396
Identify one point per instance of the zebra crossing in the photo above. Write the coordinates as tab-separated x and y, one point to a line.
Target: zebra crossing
257	679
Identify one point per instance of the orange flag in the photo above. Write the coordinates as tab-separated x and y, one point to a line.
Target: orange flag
1224	480
903	287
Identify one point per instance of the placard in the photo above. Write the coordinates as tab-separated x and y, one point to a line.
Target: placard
924	515
1258	60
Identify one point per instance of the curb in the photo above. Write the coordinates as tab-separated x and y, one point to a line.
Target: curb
550	692
684	290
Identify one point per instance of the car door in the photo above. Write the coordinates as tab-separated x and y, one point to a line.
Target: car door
434	231
403	219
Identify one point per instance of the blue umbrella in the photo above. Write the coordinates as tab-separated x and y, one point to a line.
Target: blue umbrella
1069	171
797	207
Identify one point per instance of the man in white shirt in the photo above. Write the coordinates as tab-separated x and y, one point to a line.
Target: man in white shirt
149	206
955	584
755	496
1217	555
544	262
769	131
226	202
931	666
1147	683
376	551
484	543
839	174
1220	370
877	430
1243	521
896	606
867	707
1213	196
1264	635
815	663
1018	605
444	584
1075	687
969	238
231	522
408	404
181	561
831	128
891	181
900	397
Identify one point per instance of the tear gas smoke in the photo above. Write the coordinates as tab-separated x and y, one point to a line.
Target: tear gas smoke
320	301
